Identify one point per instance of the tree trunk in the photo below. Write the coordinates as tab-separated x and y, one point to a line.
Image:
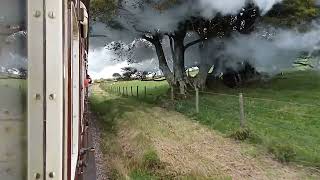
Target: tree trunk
163	65
204	67
178	64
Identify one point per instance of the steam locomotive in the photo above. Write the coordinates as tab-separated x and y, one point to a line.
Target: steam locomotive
43	89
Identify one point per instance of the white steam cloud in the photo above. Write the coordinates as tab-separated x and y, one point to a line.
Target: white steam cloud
145	17
210	7
275	53
266	5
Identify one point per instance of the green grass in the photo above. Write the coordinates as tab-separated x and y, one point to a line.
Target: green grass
283	114
20	84
292	120
142	175
155	89
127	139
112	115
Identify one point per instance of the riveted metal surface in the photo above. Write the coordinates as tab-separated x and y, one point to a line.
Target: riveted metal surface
54	70
36	96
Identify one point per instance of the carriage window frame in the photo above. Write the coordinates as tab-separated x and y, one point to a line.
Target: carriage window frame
75	60
36	91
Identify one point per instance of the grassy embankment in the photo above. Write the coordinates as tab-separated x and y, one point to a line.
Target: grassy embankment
288	127
134	139
141	141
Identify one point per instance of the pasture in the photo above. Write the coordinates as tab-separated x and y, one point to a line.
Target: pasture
282	114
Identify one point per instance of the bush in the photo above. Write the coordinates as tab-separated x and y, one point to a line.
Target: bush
151	160
241	134
283	152
139	174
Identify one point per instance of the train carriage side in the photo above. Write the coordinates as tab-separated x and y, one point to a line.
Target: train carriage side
43	66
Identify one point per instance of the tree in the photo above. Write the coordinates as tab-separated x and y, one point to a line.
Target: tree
116	75
292	12
127	72
131	17
142	75
23	72
218	27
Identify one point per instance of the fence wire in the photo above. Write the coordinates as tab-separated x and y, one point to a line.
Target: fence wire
269	118
219	105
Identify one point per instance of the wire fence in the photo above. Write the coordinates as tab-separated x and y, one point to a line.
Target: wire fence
145	93
133	91
277	121
272	119
249	103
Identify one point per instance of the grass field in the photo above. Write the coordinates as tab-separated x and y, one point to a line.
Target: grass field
141	141
283	114
155	89
130	129
110	112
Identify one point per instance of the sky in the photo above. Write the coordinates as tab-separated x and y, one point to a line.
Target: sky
102	64
101	60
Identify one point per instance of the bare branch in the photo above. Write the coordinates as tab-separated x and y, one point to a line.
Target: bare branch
148	38
194	42
171	47
98	35
303	64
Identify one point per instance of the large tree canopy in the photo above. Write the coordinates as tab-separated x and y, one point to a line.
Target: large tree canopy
186	23
292	12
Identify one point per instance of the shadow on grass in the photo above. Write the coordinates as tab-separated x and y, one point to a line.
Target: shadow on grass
108	110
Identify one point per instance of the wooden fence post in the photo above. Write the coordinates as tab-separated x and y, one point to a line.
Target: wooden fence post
123	91
172	94
131	91
242	117
127	91
145	91
137	91
197	100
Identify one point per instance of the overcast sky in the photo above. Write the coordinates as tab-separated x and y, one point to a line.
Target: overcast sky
102	63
